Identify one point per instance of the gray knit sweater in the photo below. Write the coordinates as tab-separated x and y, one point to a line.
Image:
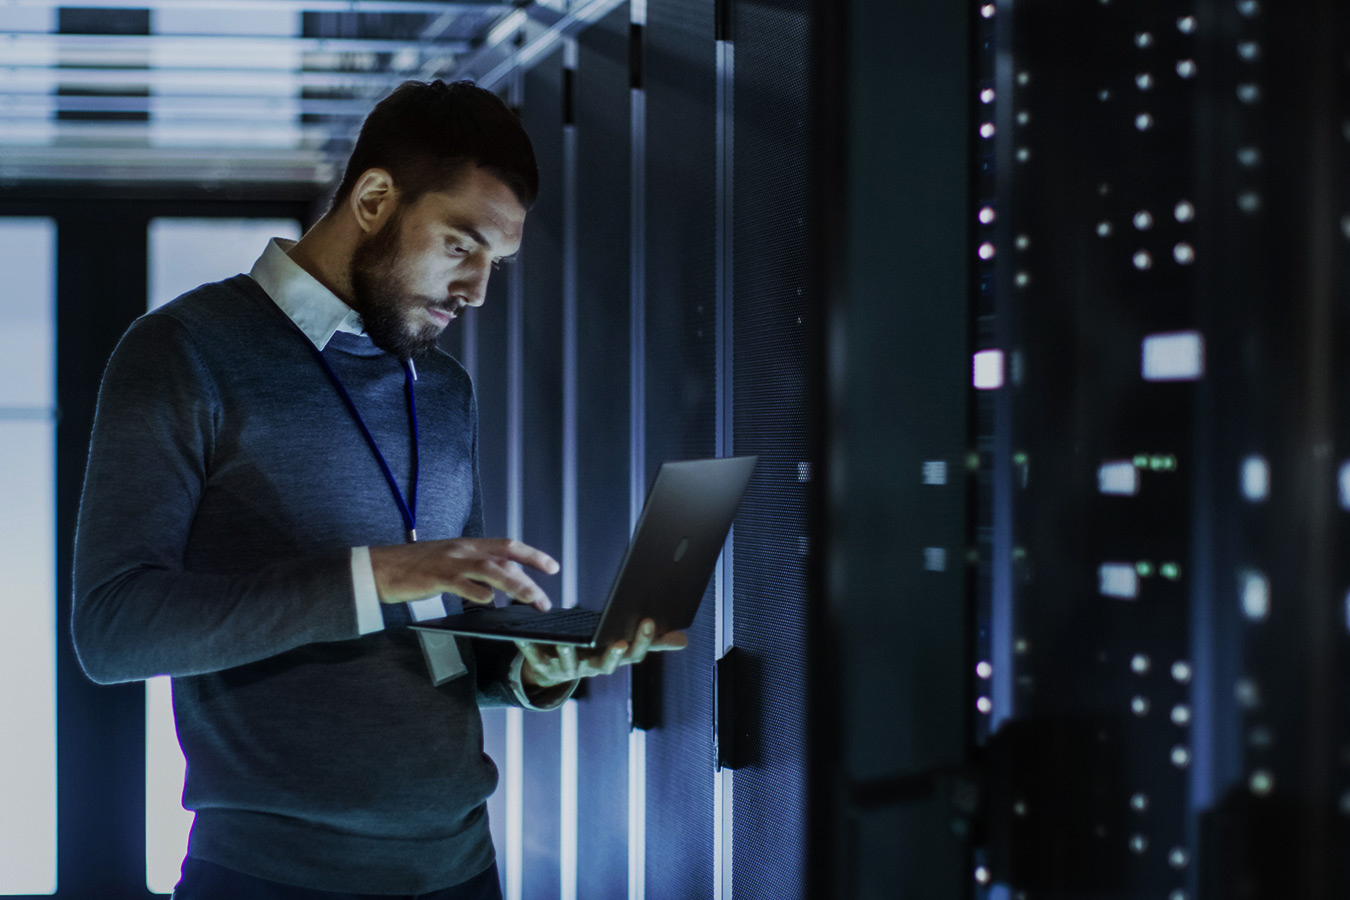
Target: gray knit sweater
226	485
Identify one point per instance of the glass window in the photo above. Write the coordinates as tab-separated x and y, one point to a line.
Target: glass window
27	558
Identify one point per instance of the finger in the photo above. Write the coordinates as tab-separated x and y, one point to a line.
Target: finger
521	552
614	657
643	641
471	590
543	668
671	640
567	657
519	587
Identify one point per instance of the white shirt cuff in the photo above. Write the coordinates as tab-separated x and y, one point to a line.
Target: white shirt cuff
369	618
547	698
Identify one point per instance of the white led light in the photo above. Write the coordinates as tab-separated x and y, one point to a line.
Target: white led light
1249	93
1173	356
1184	254
1181	757
1181	715
1118	580
982	875
987	95
1181	671
1024	78
1143	121
1262	782
1343	483
935	471
986	250
1178	858
1186	24
1250	51
1139	803
1247	694
984	705
1103	229
1022	242
1178	894
988	370
1248	8
1249	202
934	559
1255	478
1103	95
1138	843
1023	154
1254	589
984	670
987	10
1250	157
987	215
987	130
1119	477
1143	220
1143	39
1144	81
1139	706
1184	211
1023	117
1139	664
1143	260
1186	68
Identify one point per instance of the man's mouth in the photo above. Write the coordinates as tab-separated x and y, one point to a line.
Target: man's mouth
442	316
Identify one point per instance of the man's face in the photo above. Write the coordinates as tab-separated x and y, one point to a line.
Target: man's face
431	258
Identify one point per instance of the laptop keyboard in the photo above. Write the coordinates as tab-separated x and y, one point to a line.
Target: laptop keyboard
574	622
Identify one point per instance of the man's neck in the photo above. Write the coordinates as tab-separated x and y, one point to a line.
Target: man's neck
325	253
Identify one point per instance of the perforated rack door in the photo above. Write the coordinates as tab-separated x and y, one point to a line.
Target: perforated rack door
1159	251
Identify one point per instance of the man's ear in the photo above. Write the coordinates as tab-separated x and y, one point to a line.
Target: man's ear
372	199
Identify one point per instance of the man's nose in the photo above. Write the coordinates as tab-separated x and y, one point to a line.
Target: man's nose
472	289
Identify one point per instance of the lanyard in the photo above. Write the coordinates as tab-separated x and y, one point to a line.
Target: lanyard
407	509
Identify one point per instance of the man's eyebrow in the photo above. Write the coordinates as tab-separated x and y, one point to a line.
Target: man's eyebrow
473	233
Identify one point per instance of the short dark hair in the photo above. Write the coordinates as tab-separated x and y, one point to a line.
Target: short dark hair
424	134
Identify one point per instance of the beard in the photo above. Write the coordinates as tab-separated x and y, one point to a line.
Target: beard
381	298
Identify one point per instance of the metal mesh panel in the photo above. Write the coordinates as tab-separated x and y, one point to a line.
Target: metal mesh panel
680	411
771	340
541	448
602	242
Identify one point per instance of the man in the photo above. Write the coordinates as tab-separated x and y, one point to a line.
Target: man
283	474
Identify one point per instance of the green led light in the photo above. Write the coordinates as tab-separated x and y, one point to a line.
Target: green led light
1141	461
1144	568
1171	571
1020	459
972	461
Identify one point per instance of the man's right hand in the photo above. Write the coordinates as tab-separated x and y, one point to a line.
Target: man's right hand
468	567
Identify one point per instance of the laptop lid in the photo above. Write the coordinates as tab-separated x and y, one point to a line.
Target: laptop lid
665	571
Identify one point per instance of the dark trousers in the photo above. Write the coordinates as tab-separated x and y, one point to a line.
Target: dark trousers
207	881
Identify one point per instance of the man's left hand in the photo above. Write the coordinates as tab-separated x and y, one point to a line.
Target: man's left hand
547	665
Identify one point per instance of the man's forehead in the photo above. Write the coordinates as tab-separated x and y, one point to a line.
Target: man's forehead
482	206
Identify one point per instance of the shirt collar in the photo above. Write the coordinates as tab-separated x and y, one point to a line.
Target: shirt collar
314	308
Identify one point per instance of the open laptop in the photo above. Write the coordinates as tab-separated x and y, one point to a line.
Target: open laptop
662	577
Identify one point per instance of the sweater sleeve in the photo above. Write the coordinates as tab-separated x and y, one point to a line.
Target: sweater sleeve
137	612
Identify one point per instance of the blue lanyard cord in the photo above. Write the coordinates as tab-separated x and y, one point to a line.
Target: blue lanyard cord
407	509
